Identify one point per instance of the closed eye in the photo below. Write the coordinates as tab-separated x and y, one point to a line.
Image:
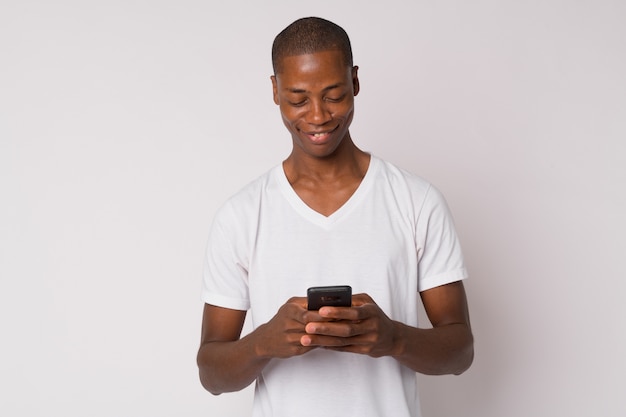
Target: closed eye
336	99
298	104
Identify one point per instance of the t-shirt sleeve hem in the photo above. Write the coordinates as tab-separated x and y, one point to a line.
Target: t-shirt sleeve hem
442	279
225	302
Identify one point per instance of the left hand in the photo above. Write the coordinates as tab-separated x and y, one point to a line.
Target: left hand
363	328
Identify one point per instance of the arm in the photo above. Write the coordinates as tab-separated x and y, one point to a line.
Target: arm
218	359
228	363
447	348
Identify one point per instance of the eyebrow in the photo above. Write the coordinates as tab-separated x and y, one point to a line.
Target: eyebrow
302	91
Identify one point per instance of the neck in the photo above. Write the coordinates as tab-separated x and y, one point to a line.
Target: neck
346	161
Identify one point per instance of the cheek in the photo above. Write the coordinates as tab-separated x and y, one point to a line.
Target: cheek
289	124
343	111
290	116
344	114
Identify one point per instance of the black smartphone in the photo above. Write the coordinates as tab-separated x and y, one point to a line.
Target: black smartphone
334	295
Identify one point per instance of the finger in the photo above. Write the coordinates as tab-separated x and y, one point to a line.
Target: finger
342	329
295	308
355	313
339	313
361	299
299	301
360	349
323	341
356	344
306	340
312	316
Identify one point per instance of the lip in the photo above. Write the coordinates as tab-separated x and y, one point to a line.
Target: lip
320	136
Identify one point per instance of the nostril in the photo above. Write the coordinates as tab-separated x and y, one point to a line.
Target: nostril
319	116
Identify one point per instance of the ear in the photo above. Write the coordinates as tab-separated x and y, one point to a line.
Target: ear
275	88
356	86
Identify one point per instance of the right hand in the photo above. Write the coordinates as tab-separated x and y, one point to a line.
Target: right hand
280	337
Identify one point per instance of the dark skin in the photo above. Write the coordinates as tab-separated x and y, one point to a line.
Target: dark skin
315	94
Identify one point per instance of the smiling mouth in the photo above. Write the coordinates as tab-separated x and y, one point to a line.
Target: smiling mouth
320	136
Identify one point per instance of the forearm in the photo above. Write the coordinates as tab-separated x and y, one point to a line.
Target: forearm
441	350
229	366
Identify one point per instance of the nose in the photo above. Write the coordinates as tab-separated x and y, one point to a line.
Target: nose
318	114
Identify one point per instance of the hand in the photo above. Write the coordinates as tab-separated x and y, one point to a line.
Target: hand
280	337
363	328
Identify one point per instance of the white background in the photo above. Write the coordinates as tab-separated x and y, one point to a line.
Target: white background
125	124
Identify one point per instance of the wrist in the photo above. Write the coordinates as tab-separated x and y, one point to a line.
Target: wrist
399	340
258	344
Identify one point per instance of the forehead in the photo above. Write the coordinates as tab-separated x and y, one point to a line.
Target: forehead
323	66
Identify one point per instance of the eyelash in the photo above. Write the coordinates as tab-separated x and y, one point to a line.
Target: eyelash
331	100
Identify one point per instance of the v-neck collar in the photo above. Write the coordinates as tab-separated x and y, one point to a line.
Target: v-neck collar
318	218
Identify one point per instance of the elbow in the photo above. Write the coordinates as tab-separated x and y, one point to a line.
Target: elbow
465	356
210	382
207	385
465	361
207	381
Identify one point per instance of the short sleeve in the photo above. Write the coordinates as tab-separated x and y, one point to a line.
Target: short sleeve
225	273
439	250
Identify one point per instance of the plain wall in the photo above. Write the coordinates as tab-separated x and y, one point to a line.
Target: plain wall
125	124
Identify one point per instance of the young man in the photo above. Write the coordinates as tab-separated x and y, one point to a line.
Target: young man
330	214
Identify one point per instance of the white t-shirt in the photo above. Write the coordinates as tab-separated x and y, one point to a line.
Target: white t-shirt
393	238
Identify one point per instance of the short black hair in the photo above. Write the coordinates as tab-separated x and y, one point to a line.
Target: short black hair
309	35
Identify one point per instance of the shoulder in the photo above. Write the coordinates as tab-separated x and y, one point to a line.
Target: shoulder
415	196
401	180
247	200
252	192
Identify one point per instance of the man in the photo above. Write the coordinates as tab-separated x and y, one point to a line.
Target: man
330	214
